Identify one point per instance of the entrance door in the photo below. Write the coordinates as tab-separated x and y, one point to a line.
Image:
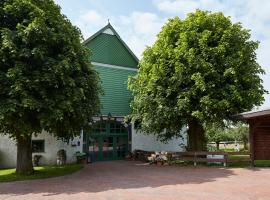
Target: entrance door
121	146
107	148
93	148
107	141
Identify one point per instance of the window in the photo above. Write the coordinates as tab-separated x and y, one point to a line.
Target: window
38	146
99	127
117	127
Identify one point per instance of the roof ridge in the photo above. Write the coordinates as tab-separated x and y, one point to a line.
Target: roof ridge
116	34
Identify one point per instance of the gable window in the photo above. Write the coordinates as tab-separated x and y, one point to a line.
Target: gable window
38	146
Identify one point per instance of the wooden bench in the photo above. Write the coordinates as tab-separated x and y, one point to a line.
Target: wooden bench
199	156
203	156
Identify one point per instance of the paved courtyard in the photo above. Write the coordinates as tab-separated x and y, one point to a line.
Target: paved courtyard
130	180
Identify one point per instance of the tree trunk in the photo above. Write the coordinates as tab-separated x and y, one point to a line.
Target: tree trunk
217	145
245	145
24	155
196	137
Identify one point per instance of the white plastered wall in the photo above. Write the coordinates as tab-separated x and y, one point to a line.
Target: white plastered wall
141	141
8	150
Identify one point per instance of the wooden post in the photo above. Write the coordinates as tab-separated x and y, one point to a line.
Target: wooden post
225	160
195	156
129	128
251	141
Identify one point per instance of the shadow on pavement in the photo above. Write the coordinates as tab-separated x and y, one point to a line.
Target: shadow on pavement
111	175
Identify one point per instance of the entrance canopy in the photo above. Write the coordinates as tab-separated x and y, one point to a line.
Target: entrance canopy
259	133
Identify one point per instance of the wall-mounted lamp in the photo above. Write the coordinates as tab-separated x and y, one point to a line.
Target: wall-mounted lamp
109	116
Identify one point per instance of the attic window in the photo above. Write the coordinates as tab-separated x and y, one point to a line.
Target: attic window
108	31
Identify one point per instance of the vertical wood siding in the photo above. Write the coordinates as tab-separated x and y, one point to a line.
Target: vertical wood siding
262	143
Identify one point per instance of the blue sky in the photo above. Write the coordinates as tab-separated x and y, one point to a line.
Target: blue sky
138	21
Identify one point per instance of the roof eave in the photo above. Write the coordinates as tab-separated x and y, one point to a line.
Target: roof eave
96	34
252	115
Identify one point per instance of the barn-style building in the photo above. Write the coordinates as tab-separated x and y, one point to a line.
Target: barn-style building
110	138
259	133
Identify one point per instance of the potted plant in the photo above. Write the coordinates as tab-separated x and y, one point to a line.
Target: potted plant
81	157
159	161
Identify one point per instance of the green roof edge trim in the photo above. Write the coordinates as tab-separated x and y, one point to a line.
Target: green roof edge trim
117	35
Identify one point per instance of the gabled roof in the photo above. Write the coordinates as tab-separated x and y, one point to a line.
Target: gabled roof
109	26
253	114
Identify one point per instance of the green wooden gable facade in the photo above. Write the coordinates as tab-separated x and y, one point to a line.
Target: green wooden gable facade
114	62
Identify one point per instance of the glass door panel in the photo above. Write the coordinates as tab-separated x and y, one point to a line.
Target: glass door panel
108	140
107	148
93	148
121	146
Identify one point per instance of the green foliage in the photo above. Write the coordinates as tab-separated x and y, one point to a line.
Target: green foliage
8	175
46	79
230	132
202	68
240	132
218	134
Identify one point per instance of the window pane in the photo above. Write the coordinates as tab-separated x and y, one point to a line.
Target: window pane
38	146
107	149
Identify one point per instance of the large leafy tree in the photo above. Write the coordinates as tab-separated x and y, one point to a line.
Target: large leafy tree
200	70
46	79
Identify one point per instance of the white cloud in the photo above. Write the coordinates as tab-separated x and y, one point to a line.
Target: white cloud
89	22
182	7
253	14
139	29
91	17
145	23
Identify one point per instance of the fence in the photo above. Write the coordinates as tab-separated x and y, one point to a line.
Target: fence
212	157
201	156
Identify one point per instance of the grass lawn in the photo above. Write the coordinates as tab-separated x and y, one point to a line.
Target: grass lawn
7	175
243	164
258	163
227	150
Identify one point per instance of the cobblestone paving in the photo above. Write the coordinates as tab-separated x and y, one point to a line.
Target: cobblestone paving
129	180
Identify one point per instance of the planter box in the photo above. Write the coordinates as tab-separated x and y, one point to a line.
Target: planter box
159	163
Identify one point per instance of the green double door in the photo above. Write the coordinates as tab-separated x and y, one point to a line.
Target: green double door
107	141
